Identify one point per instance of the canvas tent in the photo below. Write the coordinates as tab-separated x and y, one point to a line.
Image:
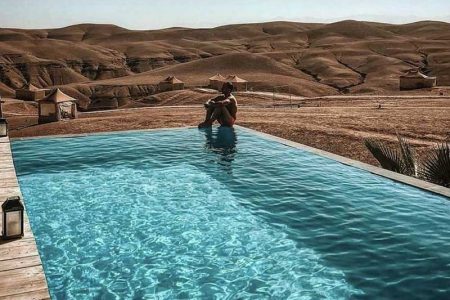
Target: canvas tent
414	79
217	81
171	83
29	92
238	83
57	106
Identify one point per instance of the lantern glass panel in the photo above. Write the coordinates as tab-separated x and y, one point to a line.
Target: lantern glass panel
3	131
13	222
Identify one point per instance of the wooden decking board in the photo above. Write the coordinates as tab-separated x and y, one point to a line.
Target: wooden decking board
34	295
18	252
22	280
4	150
7	169
10	190
21	272
8	176
6	244
21	262
7	184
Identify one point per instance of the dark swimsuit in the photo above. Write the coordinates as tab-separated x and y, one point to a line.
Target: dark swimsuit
229	123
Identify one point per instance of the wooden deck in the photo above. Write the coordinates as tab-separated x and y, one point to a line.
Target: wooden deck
21	272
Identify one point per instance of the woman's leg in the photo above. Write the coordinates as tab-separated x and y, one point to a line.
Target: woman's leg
225	117
212	114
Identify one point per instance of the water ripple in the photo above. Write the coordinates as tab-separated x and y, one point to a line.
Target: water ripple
227	215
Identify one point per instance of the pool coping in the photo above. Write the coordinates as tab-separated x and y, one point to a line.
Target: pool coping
411	181
72	135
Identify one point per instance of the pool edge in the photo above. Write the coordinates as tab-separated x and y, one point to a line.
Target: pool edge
421	184
72	135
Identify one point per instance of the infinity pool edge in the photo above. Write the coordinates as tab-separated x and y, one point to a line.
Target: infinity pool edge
411	181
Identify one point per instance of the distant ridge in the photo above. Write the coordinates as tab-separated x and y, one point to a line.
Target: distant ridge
316	59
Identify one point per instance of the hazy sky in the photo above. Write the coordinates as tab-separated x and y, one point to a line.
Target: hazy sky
152	14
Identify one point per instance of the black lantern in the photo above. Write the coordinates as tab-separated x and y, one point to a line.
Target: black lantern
12	218
3	127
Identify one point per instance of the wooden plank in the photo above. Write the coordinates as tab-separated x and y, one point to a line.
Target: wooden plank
8	183
21	274
7	169
34	295
9	191
22	280
7	174
18	252
20	262
4	244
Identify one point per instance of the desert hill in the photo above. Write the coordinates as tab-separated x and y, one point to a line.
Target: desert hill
315	59
254	67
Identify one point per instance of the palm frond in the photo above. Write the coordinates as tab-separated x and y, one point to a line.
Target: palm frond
389	158
436	167
408	157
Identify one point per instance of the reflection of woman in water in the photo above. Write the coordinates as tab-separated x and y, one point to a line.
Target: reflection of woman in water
223	142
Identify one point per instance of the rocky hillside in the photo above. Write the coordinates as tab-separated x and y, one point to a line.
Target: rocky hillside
315	59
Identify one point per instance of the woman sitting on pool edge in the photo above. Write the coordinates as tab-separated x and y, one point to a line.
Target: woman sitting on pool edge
223	108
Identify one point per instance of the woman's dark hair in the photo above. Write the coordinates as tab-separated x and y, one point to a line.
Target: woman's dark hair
228	85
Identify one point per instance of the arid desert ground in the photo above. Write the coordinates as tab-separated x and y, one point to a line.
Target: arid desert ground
338	125
343	79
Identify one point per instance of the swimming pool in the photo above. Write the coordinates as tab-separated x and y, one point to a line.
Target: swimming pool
224	213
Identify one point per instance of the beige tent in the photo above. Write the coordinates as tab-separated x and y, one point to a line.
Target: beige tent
30	92
414	79
57	106
238	83
171	83
217	81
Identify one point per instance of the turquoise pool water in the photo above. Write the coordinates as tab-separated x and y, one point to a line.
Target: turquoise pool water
225	214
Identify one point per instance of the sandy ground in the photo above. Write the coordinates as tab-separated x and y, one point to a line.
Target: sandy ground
337	126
